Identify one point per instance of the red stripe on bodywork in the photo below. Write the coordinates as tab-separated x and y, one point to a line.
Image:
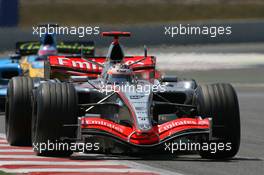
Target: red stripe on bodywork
82	64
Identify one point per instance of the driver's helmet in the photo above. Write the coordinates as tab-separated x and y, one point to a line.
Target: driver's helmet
47	50
119	74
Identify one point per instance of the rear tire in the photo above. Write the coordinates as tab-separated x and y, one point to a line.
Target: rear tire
18	111
219	101
55	105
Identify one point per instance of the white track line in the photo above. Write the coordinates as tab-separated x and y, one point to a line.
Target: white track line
2	136
22	156
207	61
133	166
14	150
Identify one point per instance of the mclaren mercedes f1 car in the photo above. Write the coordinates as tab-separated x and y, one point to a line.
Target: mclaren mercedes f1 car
93	107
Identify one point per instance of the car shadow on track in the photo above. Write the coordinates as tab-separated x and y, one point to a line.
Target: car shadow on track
189	158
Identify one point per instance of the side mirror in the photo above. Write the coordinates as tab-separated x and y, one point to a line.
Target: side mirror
168	78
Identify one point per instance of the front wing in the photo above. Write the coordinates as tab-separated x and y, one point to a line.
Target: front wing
156	136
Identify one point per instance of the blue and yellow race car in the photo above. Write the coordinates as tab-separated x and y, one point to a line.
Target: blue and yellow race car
30	56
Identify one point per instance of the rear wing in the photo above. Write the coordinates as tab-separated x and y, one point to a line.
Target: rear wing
66	47
27	47
62	66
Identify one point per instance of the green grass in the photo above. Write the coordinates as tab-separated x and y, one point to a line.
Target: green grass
76	14
3	173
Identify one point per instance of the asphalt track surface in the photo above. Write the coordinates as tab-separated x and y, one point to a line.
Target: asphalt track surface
249	83
249	160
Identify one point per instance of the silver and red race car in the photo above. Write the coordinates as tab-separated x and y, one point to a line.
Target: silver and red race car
120	104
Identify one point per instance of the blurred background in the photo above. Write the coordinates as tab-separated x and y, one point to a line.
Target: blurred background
237	58
191	55
77	12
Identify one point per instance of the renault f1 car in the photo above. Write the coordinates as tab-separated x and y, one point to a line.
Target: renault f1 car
9	67
153	112
30	56
33	54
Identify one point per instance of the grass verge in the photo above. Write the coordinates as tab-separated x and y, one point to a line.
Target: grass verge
4	173
76	14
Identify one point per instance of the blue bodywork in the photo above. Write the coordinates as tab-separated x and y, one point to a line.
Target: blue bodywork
10	66
8	69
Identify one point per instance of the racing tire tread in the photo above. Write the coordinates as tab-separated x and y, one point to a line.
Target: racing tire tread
56	105
18	111
220	102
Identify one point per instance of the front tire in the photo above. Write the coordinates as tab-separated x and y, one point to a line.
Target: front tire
18	111
55	106
219	101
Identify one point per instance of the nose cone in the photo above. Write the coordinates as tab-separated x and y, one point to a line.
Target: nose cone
140	104
145	137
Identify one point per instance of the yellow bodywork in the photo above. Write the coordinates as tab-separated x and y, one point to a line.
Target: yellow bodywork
29	70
